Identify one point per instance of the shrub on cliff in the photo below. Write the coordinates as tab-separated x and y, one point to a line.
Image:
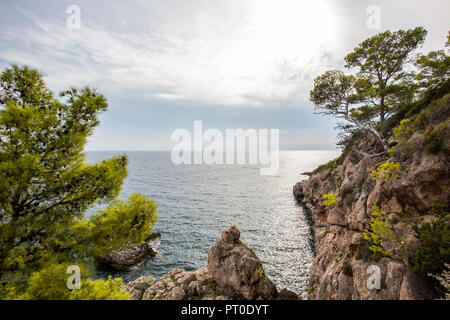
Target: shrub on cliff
386	171
433	251
380	230
427	131
45	187
444	281
331	199
380	87
385	89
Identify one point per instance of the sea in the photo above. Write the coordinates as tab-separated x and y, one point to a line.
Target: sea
197	202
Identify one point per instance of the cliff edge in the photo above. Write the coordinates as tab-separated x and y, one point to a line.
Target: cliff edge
372	217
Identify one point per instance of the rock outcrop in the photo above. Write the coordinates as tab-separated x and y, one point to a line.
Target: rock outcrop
340	268
237	270
138	287
130	255
233	272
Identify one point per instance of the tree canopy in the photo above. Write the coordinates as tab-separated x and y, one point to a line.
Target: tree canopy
46	186
383	81
381	60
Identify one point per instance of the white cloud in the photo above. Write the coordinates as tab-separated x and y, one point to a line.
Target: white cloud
257	53
230	52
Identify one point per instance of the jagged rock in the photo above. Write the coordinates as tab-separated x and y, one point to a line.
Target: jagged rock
413	289
127	257
186	280
233	272
339	229
138	287
298	191
130	255
336	217
177	294
286	294
237	270
153	236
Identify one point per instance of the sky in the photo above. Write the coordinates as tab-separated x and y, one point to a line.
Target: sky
229	63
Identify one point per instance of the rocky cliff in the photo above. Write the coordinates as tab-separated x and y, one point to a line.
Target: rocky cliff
233	271
416	182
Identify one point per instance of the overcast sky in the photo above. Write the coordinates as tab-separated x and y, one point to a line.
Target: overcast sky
230	63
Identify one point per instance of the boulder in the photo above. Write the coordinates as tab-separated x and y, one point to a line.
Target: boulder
177	294
138	287
412	288
298	191
286	294
237	270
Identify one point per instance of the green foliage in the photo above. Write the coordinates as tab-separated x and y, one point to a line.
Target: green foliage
433	251
332	165
434	70
248	248
331	199
110	289
384	84
381	86
120	222
334	92
260	270
310	290
386	171
433	123
46	187
436	137
209	282
384	87
379	230
403	128
357	255
347	270
49	283
444	280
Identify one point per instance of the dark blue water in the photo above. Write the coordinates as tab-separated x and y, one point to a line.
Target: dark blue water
197	202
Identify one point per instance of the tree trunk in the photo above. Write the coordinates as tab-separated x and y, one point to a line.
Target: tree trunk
382	110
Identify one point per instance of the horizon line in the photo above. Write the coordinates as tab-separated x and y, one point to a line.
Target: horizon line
165	150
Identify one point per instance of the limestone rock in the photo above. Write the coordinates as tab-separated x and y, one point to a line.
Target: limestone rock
233	272
237	270
130	255
177	294
339	229
286	294
127	257
138	287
